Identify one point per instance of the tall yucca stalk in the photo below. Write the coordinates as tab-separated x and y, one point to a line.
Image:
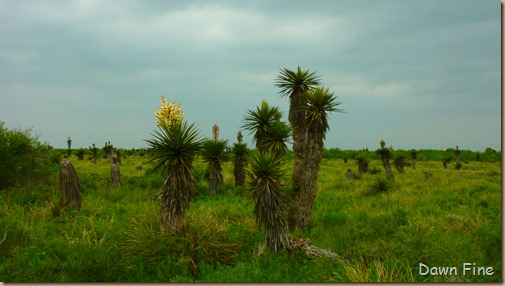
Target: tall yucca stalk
317	104
173	151
239	159
295	84
213	153
268	193
258	122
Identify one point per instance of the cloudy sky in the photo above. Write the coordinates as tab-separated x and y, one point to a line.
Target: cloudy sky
418	74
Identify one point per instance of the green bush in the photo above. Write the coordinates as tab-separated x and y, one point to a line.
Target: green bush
23	160
380	185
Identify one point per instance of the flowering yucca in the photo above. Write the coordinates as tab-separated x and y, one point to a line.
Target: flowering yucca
169	114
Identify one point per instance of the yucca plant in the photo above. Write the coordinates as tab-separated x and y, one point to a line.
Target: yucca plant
380	185
317	103
276	138
385	155
268	194
413	155
400	163
295	84
363	162
70	187
213	153
258	122
239	160
174	149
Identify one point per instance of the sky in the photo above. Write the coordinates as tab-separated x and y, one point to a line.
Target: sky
417	74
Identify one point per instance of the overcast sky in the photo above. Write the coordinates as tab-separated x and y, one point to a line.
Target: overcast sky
418	74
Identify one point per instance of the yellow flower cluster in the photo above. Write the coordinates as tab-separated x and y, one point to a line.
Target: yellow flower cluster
169	114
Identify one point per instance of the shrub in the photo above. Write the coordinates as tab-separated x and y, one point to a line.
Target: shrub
23	160
380	185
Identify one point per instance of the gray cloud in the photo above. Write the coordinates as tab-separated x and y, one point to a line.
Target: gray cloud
419	74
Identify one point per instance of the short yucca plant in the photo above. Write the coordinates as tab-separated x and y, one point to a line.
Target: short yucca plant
239	154
380	185
268	194
363	162
71	189
173	151
399	162
213	153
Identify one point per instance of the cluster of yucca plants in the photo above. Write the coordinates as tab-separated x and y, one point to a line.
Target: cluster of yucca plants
310	105
174	148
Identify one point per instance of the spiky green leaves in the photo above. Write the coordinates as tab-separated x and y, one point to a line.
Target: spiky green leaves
317	103
269	132
213	151
239	158
239	151
179	145
289	81
173	151
380	185
268	193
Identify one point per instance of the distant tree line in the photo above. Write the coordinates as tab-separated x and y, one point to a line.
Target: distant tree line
489	155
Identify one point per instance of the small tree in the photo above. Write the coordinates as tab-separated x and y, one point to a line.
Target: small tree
94	150
413	155
69	150
268	193
174	148
400	163
239	159
213	153
458	154
80	154
363	162
385	155
70	186
114	171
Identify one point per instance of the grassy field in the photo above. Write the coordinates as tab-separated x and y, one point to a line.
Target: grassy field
435	217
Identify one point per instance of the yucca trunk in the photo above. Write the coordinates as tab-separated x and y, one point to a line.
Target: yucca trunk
414	158
362	167
115	180
400	166
304	202
70	186
239	172
387	167
215	178
178	189
297	121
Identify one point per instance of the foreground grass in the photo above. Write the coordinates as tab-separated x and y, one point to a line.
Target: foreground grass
435	216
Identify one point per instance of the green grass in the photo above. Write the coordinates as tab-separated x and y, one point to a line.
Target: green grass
435	216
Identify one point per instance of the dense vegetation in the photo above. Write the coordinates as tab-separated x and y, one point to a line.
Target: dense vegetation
381	230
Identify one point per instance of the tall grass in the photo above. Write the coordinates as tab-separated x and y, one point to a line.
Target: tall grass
444	219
